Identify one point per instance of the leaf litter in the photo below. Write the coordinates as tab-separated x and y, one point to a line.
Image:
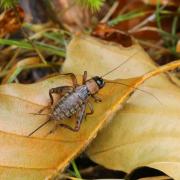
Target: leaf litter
142	115
40	154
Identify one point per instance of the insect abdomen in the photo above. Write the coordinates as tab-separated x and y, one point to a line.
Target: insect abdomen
70	103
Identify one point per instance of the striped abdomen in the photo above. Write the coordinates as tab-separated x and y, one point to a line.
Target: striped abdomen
70	103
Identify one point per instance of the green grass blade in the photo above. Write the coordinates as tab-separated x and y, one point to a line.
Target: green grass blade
158	17
23	44
174	29
78	175
20	69
127	16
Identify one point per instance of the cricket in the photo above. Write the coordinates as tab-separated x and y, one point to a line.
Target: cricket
75	99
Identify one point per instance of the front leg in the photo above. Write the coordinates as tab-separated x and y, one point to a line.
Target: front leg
91	108
96	98
80	117
84	77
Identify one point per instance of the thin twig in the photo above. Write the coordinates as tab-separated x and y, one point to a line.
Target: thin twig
150	18
110	12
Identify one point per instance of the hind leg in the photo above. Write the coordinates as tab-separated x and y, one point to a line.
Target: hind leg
39	127
43	109
59	90
53	129
80	117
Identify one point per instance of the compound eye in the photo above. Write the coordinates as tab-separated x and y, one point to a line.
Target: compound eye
99	82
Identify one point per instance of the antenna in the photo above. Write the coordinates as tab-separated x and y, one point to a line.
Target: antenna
120	64
136	89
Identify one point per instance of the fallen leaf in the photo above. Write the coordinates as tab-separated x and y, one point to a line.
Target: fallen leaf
9	22
97	57
145	132
41	156
103	31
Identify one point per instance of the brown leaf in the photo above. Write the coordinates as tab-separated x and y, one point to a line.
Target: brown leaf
9	22
107	33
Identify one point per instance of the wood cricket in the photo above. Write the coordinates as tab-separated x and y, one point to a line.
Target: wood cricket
74	100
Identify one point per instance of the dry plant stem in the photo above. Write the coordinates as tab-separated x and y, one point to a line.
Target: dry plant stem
154	46
110	12
161	69
13	59
39	34
34	46
147	28
144	22
89	170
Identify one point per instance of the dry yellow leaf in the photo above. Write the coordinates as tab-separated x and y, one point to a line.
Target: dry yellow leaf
145	132
41	156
